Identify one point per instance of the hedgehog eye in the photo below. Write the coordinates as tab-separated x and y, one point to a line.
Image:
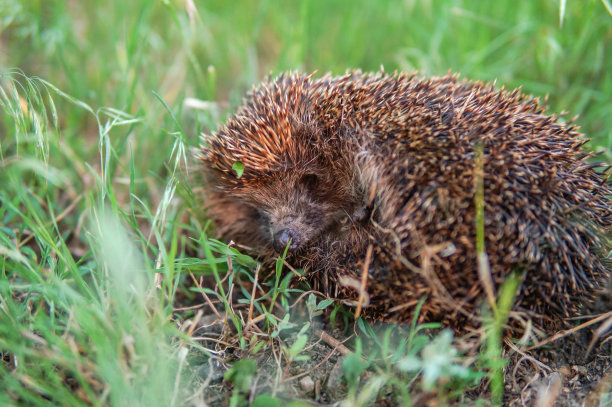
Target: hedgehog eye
310	181
263	216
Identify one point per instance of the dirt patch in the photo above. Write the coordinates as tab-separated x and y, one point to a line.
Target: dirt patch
562	374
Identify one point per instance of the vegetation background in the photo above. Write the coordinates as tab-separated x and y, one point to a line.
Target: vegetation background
100	102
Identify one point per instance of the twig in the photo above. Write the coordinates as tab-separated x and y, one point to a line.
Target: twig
571	331
364	279
210	303
331	341
526	356
598	333
253	321
291	268
207	338
250	317
189	308
338	348
194	323
304	294
158	276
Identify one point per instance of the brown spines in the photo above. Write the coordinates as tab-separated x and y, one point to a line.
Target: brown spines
261	132
394	163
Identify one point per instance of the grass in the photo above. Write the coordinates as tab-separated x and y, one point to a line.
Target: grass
101	231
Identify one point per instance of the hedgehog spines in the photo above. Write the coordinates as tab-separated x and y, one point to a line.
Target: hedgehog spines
339	163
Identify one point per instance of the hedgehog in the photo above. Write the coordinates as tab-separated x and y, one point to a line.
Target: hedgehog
370	183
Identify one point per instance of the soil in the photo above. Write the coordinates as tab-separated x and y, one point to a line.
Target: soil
564	372
566	375
561	373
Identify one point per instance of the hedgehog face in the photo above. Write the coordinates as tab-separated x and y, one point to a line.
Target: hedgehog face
298	209
295	190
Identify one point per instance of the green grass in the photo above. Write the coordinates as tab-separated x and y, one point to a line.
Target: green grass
98	191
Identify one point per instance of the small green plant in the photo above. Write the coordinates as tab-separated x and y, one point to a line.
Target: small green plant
494	334
239	168
241	375
438	362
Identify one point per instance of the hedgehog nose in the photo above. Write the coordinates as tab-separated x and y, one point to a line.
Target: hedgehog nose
282	238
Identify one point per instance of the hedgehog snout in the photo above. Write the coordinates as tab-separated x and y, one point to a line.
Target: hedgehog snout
282	239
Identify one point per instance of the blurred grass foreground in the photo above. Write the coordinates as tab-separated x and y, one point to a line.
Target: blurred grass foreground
102	239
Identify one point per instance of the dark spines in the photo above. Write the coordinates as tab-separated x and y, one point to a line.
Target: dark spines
401	150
